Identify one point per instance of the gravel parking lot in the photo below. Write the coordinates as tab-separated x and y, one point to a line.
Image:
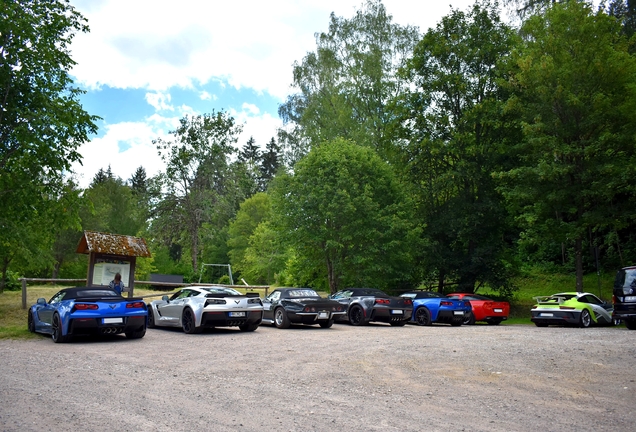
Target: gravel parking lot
439	378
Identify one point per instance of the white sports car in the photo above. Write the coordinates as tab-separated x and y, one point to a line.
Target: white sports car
194	308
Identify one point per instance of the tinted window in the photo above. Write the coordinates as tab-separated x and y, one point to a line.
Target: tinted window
368	292
301	293
219	290
57	297
96	293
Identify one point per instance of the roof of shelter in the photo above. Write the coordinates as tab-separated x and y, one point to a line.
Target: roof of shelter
112	244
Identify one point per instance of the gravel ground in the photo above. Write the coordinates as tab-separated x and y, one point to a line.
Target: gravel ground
373	378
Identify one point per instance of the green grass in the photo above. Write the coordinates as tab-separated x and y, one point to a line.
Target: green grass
13	319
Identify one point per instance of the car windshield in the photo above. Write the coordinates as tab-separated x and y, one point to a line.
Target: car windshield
300	293
422	294
219	290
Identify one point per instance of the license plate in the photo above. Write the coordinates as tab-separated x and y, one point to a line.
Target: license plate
323	315
397	312
630	298
499	310
546	314
112	320
237	314
458	313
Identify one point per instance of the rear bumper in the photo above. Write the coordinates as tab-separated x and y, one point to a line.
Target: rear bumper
78	326
388	315
558	317
223	319
449	315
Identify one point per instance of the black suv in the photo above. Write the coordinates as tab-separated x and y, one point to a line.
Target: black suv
624	297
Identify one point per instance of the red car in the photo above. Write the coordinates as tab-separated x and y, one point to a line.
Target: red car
484	309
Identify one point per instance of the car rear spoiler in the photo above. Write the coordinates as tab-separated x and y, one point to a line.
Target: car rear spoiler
548	299
220	295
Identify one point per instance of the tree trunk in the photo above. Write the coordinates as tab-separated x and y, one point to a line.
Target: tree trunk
579	263
3	278
440	282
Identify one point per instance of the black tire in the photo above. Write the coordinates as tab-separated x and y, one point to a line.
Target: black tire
356	316
136	334
469	319
281	320
248	327
540	324
151	318
188	323
423	316
30	322
495	321
326	324
585	320
56	327
401	323
457	321
630	324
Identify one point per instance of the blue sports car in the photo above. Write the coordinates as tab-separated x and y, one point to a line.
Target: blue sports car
88	310
431	307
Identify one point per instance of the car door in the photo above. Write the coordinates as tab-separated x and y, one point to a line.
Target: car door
173	309
269	304
45	313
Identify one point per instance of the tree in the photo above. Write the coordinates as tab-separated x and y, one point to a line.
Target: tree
42	122
344	86
574	90
198	181
270	163
345	214
456	132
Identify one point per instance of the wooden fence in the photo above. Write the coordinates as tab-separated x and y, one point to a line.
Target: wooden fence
265	288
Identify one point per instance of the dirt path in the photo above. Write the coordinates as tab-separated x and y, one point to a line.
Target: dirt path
374	378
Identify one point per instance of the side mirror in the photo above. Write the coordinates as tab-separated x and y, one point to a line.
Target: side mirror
41	301
166	298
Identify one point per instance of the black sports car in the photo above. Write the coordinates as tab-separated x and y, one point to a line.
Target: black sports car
286	306
367	304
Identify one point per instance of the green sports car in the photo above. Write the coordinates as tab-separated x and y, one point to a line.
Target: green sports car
575	308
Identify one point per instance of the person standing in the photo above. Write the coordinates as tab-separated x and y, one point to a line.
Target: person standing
117	284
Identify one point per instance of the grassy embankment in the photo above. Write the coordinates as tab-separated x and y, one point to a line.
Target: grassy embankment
13	318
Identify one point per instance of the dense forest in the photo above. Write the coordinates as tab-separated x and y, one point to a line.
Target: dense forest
459	157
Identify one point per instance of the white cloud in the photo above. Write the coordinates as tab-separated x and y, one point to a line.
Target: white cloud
125	147
159	101
157	44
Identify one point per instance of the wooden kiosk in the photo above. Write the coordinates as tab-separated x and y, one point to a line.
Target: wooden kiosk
110	254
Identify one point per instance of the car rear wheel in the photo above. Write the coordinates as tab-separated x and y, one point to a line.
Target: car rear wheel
469	319
585	319
356	316
188	322
248	327
31	323
630	324
423	317
326	324
151	318
280	318
56	326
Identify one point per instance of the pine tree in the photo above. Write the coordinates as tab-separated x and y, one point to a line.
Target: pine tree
270	163
138	182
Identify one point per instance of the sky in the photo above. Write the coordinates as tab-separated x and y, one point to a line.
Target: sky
145	64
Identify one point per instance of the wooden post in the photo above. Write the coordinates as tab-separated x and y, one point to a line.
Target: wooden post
24	293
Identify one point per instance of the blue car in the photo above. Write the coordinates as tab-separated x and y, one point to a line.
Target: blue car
88	310
431	307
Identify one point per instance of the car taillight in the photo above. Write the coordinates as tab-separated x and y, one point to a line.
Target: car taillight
310	309
337	308
445	303
136	305
614	299
408	301
382	301
214	302
467	304
86	306
566	307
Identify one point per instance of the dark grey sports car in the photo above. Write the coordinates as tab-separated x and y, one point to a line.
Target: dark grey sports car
286	306
367	304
